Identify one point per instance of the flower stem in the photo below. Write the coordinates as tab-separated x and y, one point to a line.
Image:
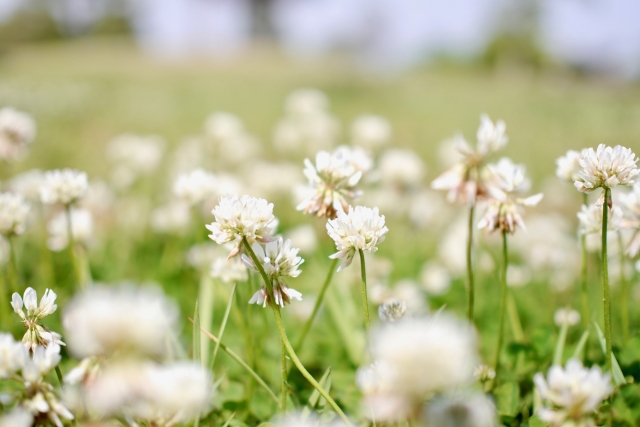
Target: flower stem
365	299
12	267
583	275
605	276
72	248
285	340
285	374
316	307
625	291
503	303
470	288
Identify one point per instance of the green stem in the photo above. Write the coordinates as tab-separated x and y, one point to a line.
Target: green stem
365	299
13	266
625	291
60	377
605	276
503	303
316	307
470	287
72	247
285	374
583	275
285	340
514	318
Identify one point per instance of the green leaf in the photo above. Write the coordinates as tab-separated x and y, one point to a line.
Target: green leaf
314	399
616	372
579	351
536	422
508	399
196	333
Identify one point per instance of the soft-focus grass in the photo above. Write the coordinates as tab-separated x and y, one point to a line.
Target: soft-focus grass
84	92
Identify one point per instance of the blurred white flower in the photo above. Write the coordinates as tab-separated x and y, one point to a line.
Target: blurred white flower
590	218
171	218
333	179
506	180
18	417
42	362
279	260
491	136
630	205
28	184
461	409
402	168
13	355
220	125
606	167
572	394
17	131
392	310
370	131
409	290
271	179
81	229
14	212
518	276
484	373
303	420
132	156
305	237
36	335
195	187
105	319
238	218
427	209
566	315
202	255
568	166
361	229
64	186
228	270
435	278
305	102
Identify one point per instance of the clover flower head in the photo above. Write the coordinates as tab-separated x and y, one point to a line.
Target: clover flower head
630	205
243	217
17	131
12	355
568	166
572	394
28	184
279	260
370	131
19	417
195	187
14	212
392	310
606	167
65	186
332	178
491	136
566	315
590	219
361	229
82	229
36	335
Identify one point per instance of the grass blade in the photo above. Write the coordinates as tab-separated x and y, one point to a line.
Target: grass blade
223	325
196	333
578	353
314	399
616	372
229	420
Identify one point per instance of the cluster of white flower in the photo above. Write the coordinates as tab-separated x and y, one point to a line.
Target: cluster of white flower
65	186
36	335
370	131
14	213
195	187
81	229
606	167
17	131
134	156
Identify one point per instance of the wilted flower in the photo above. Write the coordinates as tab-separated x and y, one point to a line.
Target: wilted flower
102	320
568	166
464	180
566	315
392	310
606	167
81	229
279	260
333	179
361	229
17	130
36	335
12	355
461	409
246	217
572	394
401	168
505	182
195	187
64	186
171	218
370	131
14	212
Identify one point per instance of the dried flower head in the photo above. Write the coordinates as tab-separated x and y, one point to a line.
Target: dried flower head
17	130
36	335
279	260
332	179
245	217
360	229
65	186
14	213
572	394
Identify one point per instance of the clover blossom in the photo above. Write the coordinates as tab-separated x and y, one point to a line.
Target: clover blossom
14	212
360	229
12	355
195	187
36	335
65	186
568	166
630	205
17	130
238	218
572	394
279	260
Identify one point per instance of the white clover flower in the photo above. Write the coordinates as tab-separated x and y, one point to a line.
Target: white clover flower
361	229
566	315
195	187
402	168
435	278
65	186
134	155
19	417
505	181
102	320
13	355
572	394
171	218
220	126
202	255
81	229
14	212
630	204
43	361
461	409
228	270
606	168
333	179
422	355
43	403
36	335
568	166
370	131
590	218
17	131
464	180
246	217
306	101
28	184
279	260
305	237
392	310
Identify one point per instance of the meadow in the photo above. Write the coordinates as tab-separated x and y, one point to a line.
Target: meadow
147	230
